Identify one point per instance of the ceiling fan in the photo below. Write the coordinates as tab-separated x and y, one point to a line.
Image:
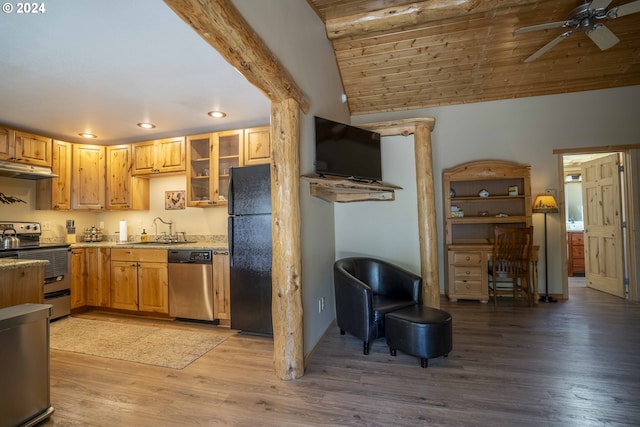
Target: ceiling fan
585	17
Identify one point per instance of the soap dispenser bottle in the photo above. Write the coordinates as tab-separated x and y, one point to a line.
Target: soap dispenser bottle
144	237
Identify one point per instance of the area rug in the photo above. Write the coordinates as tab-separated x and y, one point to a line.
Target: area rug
167	347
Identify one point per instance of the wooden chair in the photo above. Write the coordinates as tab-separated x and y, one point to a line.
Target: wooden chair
511	260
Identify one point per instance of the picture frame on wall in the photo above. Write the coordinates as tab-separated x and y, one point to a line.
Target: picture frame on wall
174	200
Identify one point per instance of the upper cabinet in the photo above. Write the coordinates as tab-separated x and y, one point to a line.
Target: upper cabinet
55	193
124	191
257	146
211	156
159	156
89	167
22	147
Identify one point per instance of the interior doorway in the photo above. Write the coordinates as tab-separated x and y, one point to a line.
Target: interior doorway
572	208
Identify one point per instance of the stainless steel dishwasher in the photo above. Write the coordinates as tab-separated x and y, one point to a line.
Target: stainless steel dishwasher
191	284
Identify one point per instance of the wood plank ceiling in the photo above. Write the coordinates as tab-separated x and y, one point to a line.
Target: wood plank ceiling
400	55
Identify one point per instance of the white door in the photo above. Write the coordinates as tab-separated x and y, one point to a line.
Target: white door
603	251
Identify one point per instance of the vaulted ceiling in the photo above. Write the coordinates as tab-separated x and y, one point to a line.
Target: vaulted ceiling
400	54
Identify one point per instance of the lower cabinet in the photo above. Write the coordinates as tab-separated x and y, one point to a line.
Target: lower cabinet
140	280
97	276
78	291
221	286
467	278
575	240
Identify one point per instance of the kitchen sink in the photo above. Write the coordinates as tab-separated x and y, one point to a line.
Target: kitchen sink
160	242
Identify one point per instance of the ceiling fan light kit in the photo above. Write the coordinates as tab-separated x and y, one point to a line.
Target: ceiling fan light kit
588	17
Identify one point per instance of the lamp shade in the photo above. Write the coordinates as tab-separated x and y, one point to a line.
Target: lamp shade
545	203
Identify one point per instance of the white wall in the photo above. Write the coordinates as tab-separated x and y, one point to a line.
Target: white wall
523	130
297	37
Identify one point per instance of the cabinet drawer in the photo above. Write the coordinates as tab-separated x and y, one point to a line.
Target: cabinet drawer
142	255
468	287
577	239
577	251
466	258
467	273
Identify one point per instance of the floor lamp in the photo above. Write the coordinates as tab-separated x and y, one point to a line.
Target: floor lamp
545	204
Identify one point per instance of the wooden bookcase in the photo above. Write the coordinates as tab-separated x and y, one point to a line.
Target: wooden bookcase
469	219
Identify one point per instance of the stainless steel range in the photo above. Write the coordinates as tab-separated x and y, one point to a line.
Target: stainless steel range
57	283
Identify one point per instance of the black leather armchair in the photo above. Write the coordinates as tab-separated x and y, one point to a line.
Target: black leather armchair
365	290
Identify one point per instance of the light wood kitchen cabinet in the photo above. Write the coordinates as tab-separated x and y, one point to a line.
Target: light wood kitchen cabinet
55	193
210	156
257	146
88	177
221	287
166	155
124	191
97	276
478	196
78	291
23	147
140	280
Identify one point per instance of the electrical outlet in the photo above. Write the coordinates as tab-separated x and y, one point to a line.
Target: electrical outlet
101	225
46	226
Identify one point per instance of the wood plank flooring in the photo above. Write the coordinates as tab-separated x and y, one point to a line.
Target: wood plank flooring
573	363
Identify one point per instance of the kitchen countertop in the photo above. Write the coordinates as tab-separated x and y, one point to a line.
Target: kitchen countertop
12	264
216	246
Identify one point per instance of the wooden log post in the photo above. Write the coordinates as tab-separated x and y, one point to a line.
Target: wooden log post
427	232
287	315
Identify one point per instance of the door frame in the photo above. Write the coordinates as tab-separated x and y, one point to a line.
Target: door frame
631	210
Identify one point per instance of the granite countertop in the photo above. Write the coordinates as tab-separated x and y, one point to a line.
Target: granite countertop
216	246
12	264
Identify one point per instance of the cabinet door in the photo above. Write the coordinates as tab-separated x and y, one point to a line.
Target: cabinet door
55	193
98	276
257	146
201	170
124	191
6	144
144	154
88	177
124	285
153	287
229	155
33	149
170	155
77	278
221	305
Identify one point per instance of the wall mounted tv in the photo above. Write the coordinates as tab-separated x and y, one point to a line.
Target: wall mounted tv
349	151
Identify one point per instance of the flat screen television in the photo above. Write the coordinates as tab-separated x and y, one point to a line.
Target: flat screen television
349	151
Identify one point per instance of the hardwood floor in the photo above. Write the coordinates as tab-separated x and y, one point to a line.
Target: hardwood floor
573	363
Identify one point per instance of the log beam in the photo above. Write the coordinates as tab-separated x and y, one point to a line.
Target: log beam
427	232
220	24
287	314
416	13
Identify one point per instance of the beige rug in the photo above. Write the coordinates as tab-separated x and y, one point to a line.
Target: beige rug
167	347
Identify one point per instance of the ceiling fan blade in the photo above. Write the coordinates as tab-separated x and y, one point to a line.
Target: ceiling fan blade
599	4
548	46
602	36
625	9
546	26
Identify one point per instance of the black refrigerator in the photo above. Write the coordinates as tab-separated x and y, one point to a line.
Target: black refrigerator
250	248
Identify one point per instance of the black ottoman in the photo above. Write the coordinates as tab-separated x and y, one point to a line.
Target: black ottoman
420	331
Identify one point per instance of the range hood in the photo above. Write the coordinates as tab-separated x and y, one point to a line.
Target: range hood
20	170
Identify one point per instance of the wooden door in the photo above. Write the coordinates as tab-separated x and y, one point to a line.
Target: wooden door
170	155
602	207
88	177
77	278
153	287
55	193
144	158
6	144
97	276
118	184
124	285
221	286
33	149
257	146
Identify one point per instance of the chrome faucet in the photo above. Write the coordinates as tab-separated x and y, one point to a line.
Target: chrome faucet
169	223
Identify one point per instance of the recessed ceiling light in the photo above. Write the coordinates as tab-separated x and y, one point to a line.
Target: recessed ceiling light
217	114
87	135
145	125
